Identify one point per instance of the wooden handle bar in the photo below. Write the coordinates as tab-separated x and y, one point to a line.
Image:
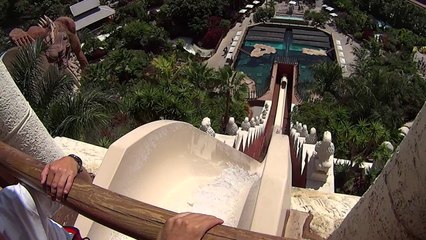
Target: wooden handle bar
118	212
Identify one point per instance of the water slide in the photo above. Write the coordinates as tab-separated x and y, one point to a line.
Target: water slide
175	166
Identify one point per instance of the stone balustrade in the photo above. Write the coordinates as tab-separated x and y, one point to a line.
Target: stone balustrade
315	157
241	137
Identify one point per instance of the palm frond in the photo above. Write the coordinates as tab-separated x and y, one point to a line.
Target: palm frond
27	70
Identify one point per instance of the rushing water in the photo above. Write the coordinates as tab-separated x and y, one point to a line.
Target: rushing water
222	196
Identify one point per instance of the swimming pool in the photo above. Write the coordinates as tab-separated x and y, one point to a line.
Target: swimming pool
290	44
289	18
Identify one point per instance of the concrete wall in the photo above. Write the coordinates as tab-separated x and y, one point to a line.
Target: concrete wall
395	205
19	125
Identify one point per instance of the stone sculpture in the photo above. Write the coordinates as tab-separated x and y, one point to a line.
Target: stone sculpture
388	145
257	121
264	112
312	137
231	127
293	132
304	133
299	127
245	125
261	120
206	127
59	35
379	163
252	122
324	153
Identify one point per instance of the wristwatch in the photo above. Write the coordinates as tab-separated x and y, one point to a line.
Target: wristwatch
79	162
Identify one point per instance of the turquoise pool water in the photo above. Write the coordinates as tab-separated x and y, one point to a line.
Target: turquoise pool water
259	69
289	18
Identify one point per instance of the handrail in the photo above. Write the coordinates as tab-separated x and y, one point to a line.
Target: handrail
126	215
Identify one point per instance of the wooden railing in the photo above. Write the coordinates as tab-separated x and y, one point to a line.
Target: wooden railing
123	214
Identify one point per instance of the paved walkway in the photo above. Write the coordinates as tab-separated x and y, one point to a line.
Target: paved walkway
218	59
345	56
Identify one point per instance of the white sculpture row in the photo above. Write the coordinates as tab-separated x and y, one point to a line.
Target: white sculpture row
320	154
244	135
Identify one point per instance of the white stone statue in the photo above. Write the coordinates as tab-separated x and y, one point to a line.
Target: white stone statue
292	133
324	153
299	127
206	127
388	145
231	127
267	106
304	132
264	112
257	121
261	120
252	122
312	137
245	125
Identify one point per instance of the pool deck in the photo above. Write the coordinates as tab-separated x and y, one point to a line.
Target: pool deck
218	59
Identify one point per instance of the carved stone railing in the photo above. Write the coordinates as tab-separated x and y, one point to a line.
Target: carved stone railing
315	157
248	133
123	214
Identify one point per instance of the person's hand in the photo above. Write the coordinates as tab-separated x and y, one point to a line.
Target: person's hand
188	226
58	176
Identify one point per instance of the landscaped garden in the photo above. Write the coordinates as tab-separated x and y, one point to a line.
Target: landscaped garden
136	75
384	91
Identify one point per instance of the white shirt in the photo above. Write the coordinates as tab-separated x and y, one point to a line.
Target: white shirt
25	214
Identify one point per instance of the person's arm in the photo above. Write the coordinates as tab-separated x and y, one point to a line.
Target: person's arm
188	226
59	176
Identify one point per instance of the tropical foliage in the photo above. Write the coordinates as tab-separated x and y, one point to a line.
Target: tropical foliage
191	16
52	94
188	93
383	91
265	13
26	12
318	18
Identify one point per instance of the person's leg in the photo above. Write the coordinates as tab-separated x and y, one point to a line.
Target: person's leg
20	218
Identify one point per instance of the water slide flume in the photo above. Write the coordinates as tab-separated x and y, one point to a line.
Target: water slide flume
123	214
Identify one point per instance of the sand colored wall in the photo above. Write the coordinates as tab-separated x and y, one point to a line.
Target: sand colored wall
19	125
395	205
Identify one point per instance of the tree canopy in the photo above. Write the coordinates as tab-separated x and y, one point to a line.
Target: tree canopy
191	16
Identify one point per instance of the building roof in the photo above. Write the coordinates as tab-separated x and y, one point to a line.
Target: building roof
84	6
92	16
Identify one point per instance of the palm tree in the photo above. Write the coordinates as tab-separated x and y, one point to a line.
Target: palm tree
81	114
199	75
328	76
39	82
362	62
166	67
230	84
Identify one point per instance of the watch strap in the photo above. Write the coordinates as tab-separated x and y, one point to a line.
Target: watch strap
79	162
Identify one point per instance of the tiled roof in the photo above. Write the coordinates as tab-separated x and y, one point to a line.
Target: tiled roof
92	16
84	6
